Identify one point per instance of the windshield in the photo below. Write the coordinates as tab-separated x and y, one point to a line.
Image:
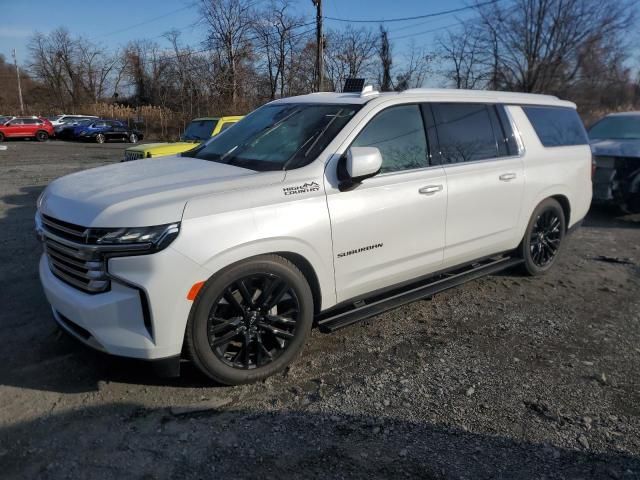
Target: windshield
199	129
624	127
277	137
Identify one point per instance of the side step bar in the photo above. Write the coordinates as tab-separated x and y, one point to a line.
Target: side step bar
365	309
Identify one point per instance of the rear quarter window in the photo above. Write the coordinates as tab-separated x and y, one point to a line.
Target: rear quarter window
557	126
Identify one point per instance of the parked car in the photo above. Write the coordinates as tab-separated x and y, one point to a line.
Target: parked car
27	127
66	130
322	209
615	142
57	120
199	130
101	131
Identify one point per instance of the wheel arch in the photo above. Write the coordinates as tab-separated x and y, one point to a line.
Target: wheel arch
309	273
303	256
566	207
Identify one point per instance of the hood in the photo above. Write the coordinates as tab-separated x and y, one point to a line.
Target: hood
144	192
166	148
616	148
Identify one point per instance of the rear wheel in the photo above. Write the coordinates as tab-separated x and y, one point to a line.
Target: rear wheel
100	138
42	136
543	238
250	321
1	137
133	138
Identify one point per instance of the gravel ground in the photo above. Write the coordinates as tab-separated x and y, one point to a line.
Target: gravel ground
504	377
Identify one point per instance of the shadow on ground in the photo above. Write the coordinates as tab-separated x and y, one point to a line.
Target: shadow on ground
130	441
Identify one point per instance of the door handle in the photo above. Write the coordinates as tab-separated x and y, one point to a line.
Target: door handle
430	189
507	177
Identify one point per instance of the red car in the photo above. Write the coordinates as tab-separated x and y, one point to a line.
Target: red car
27	127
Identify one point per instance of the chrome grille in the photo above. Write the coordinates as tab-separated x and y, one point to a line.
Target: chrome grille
70	259
132	155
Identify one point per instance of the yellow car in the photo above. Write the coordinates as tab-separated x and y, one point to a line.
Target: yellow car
199	130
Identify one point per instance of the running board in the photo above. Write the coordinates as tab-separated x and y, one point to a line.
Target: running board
368	308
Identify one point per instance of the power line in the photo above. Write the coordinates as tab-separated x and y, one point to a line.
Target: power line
425	32
404	19
151	20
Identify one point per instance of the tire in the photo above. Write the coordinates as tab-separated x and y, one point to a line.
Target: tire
1	137
234	338
543	239
42	136
133	138
100	138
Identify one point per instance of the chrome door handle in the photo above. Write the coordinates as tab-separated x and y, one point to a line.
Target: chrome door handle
506	177
430	189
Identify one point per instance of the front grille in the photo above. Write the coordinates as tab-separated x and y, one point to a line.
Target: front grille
73	261
132	155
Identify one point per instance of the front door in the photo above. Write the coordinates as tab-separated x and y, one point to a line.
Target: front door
390	228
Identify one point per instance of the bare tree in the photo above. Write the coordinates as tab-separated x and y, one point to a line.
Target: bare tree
465	55
541	45
229	23
275	31
415	68
349	54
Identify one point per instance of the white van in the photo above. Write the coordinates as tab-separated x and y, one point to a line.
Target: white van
320	209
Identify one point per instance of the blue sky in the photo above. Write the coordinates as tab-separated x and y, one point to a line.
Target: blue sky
115	22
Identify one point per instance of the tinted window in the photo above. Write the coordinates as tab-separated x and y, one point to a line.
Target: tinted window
465	132
30	121
199	130
398	133
620	127
556	126
16	122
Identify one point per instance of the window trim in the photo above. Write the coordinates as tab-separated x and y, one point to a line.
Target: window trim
396	172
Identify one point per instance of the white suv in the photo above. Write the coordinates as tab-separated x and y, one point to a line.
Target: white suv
325	208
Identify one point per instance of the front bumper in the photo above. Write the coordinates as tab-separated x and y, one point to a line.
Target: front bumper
144	313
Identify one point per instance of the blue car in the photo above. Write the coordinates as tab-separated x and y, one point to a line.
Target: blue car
101	131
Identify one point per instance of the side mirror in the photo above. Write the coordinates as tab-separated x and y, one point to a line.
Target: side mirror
358	164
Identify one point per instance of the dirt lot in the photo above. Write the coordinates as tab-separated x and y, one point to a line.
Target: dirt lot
505	377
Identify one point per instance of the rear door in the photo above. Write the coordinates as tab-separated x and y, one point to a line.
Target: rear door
390	228
485	177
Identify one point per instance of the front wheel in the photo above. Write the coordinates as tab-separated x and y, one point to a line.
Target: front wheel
100	138
133	138
543	238
250	321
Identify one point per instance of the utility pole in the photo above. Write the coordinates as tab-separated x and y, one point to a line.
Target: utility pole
319	44
15	61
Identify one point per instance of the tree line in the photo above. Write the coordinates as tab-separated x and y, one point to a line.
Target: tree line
576	49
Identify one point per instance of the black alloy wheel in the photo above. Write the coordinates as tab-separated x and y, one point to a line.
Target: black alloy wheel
544	237
42	136
250	320
253	321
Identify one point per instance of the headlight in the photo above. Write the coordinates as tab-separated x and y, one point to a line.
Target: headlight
154	238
